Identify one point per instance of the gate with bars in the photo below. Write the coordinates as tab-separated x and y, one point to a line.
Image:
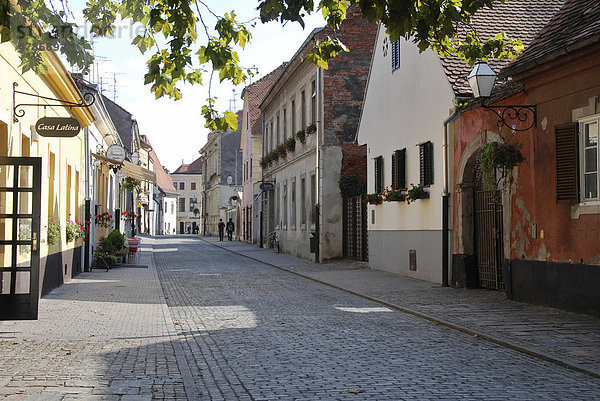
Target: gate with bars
489	248
355	229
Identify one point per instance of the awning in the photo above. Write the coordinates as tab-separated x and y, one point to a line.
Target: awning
137	172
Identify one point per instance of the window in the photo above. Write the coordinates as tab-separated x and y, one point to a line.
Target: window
303	201
166	206
313	199
293	117
175	185
172	208
181	186
303	109
590	159
293	204
378	171
284	205
426	163
277	205
271	138
250	168
181	205
399	168
285	125
395	55
193	204
313	102
193	186
278	131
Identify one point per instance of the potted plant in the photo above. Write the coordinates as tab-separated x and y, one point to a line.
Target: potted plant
311	129
110	249
394	195
415	192
53	232
301	135
498	156
73	230
290	144
374	199
103	219
281	150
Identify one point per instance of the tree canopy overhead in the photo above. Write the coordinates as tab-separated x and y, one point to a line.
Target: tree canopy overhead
187	42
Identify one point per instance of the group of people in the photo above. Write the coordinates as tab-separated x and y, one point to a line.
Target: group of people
230	227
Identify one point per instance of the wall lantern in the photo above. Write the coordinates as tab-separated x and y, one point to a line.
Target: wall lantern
481	80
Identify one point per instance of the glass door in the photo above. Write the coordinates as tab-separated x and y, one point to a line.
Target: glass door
20	202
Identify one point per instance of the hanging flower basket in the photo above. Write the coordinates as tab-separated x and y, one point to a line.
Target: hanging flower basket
53	232
498	156
103	219
131	184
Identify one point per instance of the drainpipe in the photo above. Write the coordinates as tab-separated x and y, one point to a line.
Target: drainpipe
87	209
317	166
446	201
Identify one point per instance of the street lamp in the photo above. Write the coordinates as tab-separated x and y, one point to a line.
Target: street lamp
481	80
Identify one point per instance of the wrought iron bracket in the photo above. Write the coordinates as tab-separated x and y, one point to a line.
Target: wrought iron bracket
517	113
87	101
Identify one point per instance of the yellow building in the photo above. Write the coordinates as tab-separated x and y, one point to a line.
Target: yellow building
40	183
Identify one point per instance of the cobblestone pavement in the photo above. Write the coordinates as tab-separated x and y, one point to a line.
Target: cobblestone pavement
567	338
202	323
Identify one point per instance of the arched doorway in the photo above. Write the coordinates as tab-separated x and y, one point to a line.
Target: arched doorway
480	218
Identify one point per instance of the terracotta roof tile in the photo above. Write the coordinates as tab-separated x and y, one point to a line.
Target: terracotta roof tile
163	180
194	167
518	19
574	26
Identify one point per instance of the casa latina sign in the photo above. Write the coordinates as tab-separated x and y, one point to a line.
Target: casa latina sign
57	127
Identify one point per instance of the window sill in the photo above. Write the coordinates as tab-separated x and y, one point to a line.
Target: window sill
588	207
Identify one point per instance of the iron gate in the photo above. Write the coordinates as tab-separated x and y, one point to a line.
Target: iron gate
488	238
355	229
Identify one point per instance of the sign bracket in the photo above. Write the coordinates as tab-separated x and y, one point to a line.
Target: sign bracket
87	101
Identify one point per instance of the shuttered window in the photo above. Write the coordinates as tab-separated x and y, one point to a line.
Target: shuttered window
566	163
399	168
378	174
426	163
395	55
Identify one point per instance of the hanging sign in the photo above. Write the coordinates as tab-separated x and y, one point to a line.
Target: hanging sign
266	186
57	127
116	152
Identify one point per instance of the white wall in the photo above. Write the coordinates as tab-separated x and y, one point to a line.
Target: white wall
403	108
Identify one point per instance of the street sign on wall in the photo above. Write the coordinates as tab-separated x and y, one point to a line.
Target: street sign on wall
57	127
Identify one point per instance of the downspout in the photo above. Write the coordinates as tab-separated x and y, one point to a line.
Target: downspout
446	200
317	166
87	201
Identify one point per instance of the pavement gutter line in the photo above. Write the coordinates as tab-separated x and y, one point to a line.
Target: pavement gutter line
192	392
431	318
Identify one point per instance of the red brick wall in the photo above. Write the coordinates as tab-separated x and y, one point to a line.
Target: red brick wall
354	160
345	81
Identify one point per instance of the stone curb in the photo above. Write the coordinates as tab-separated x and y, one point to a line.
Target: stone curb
473	332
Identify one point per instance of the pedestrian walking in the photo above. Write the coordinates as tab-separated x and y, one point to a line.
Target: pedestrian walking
221	229
230	228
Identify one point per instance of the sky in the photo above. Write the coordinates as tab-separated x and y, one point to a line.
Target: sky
176	128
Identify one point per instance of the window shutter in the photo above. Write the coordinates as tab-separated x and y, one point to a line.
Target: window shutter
394	169
567	165
378	174
426	163
401	167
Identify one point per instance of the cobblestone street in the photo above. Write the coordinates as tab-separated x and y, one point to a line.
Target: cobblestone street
203	323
